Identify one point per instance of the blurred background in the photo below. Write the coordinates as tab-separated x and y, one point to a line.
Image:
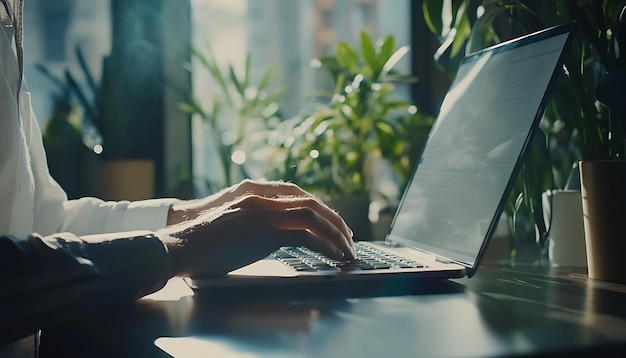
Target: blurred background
132	79
181	98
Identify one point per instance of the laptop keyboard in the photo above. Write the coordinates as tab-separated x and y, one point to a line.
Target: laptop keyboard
368	258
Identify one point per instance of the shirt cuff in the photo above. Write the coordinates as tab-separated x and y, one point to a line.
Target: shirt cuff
147	214
140	261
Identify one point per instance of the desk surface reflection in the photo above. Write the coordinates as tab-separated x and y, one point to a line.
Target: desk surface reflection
502	311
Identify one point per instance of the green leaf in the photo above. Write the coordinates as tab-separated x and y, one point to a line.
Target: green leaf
246	79
398	104
88	76
612	10
346	57
213	69
432	15
387	49
58	82
385	127
339	85
192	107
462	31
393	60
459	5
239	86
92	111
217	107
265	80
368	51
480	34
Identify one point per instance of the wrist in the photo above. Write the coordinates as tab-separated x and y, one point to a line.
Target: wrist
185	210
174	247
178	213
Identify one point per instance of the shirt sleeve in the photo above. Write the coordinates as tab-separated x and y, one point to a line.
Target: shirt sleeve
91	215
45	280
53	212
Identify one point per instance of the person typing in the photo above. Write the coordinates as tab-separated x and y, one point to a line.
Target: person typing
61	257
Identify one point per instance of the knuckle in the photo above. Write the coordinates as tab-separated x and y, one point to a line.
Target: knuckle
255	186
293	188
244	184
249	200
310	202
307	213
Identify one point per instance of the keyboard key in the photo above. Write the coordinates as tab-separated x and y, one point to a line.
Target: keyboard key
304	268
366	267
369	258
282	255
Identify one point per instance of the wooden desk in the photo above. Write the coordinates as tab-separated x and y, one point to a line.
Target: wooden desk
499	312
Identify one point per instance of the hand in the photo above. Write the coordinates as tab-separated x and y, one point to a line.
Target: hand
249	228
191	209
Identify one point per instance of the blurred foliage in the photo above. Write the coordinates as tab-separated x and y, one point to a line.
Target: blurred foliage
237	116
63	138
107	122
331	149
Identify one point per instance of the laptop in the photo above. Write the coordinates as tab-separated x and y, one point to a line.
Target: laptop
455	198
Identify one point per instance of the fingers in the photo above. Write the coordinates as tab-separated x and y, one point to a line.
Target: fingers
249	228
299	214
282	190
291	203
304	217
283	206
191	209
267	189
305	238
284	202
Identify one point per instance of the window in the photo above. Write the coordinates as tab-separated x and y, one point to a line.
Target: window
285	35
55	22
53	30
282	34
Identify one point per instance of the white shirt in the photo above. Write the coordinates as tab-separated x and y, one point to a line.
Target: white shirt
40	229
31	200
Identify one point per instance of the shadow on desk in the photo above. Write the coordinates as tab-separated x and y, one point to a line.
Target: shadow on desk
499	312
147	327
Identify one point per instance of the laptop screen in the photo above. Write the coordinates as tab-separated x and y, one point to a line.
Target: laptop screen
463	179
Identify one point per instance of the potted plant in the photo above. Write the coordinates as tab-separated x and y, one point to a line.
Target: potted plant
124	169
236	117
63	138
574	126
339	148
124	107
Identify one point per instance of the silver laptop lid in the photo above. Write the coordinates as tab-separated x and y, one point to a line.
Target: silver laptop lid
474	150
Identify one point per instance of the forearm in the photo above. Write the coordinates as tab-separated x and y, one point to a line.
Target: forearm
45	280
93	216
